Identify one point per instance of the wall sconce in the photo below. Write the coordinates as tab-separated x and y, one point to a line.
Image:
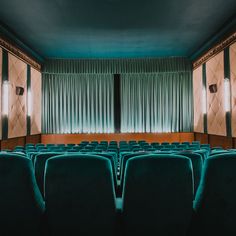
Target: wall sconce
29	103
204	101
5	91
227	94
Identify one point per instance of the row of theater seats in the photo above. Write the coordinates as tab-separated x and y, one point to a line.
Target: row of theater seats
80	196
112	146
79	193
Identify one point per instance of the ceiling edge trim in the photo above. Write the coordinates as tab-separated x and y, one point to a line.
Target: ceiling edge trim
215	50
19	53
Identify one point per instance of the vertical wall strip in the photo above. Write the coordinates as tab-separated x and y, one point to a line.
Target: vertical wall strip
227	76
28	121
117	114
5	78
204	85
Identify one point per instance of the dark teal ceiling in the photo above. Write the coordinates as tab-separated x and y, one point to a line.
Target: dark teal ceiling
115	28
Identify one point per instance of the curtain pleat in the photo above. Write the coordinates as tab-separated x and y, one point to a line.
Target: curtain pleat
117	66
81	103
156	102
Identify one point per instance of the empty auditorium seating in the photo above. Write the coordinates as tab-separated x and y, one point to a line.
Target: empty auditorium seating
79	195
215	203
21	204
157	195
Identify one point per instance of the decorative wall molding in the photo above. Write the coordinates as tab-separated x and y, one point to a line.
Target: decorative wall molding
19	53
215	50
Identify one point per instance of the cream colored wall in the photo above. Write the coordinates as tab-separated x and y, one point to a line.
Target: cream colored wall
36	101
197	98
17	104
216	121
233	86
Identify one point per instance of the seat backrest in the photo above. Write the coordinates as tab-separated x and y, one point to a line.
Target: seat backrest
79	195
124	159
39	167
215	203
197	164
157	195
21	203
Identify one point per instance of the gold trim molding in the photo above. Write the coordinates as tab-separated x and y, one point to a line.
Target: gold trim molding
18	53
215	50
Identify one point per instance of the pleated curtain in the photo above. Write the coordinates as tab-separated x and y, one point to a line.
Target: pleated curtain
78	103
156	102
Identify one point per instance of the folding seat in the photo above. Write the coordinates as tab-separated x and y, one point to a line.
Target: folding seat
39	145
175	143
70	145
132	142
186	143
113	142
105	143
217	148
170	146
94	142
29	145
21	203
183	146
205	146
219	151
39	167
196	142
80	196
155	144
215	204
157	195
124	160
61	145
197	164
204	153
194	146
165	143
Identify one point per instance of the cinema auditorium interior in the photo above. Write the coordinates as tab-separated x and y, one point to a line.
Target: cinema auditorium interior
117	118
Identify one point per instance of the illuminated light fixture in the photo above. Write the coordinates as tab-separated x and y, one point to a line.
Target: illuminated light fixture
5	90
204	101
227	94
29	103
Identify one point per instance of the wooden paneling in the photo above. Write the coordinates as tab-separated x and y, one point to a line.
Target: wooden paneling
203	138
216	140
149	137
12	142
33	139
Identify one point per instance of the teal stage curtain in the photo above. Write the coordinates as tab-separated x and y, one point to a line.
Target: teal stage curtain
157	102
156	95
78	103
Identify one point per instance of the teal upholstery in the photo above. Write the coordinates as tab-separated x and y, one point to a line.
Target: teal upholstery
39	167
124	159
197	164
157	195
79	195
21	204
215	202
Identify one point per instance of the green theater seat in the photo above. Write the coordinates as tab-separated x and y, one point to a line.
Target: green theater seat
80	196
157	195
21	204
39	167
197	164
215	203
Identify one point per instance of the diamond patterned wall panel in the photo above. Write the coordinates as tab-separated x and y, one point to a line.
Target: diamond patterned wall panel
216	121
36	101
197	97
0	93
17	104
233	86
